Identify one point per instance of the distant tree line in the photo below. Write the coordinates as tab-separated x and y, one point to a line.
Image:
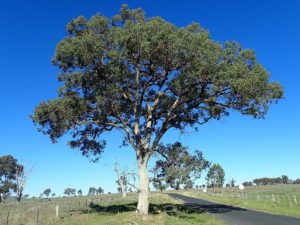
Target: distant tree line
284	179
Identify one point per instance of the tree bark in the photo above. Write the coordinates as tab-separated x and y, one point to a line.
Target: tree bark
19	197
123	190
143	203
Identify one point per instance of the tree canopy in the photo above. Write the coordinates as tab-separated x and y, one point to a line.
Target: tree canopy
47	192
70	191
177	166
145	76
215	176
9	170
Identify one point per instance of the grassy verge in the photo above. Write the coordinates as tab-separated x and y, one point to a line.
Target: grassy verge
116	211
277	199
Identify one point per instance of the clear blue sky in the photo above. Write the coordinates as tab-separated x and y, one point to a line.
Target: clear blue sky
245	147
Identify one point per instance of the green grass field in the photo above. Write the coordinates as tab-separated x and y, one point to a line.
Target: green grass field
278	199
102	209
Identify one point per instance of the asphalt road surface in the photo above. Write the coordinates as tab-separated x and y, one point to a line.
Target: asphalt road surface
235	215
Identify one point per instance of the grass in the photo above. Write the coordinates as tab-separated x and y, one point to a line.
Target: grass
277	199
109	210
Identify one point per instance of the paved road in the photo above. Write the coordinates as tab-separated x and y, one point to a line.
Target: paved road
235	215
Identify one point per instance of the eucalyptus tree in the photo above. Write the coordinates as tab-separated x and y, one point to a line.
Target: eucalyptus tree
21	180
100	191
70	191
215	176
145	76
9	170
92	191
47	192
177	166
125	179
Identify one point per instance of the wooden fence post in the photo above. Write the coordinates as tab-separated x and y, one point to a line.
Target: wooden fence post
37	216
57	211
7	218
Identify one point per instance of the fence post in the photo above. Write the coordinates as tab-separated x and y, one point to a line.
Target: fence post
37	216
7	218
57	211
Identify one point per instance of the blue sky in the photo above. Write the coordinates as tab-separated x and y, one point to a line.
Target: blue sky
245	147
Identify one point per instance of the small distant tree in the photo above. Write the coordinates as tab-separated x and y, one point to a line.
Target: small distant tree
122	180
177	166
297	181
70	191
92	191
47	192
21	180
285	179
188	185
215	176
125	178
248	183
53	195
79	192
232	182
100	190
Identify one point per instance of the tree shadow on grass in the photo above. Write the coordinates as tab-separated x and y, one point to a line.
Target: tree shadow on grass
182	211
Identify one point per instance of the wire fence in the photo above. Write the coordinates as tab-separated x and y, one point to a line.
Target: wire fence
48	211
291	200
284	196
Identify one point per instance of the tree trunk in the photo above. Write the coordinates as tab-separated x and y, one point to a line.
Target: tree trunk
143	203
0	198
123	190
19	197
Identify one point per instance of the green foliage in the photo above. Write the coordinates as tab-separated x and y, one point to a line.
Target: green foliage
47	192
9	168
145	76
70	191
177	166
215	176
285	179
297	181
92	191
232	182
100	190
247	183
269	181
